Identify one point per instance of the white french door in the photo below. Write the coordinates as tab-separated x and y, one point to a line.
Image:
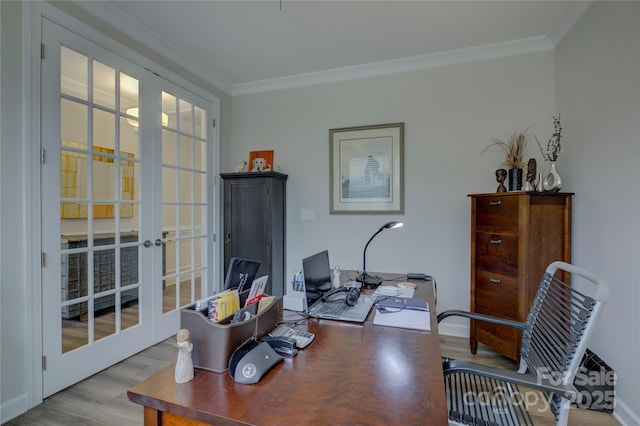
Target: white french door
126	213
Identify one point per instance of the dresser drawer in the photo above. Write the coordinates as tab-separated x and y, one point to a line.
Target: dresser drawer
497	212
497	253
497	294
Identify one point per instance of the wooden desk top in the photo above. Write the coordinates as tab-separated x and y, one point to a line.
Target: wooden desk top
351	373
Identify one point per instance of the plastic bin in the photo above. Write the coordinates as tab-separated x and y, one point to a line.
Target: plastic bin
214	342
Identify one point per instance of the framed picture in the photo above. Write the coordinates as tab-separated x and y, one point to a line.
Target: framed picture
261	161
367	169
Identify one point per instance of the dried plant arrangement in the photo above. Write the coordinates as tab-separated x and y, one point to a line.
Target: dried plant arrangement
550	153
514	148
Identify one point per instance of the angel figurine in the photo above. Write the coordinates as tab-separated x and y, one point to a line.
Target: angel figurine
184	364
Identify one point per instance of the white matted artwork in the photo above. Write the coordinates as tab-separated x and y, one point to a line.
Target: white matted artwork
367	169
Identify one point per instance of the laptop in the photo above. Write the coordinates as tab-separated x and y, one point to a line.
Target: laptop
317	283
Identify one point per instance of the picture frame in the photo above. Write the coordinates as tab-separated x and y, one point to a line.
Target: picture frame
367	169
263	161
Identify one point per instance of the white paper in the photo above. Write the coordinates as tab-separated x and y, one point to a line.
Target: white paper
389	290
257	287
406	318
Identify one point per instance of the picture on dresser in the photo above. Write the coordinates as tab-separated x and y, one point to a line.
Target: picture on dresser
367	169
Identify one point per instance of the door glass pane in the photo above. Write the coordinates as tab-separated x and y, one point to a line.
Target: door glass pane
186	221
200	117
184	157
169	180
128	92
200	155
169	149
200	190
169	108
168	295
104	130
74	71
100	198
104	85
75	327
186	185
73	122
130	308
186	152
105	316
186	117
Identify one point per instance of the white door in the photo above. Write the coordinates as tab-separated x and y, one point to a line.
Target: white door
126	226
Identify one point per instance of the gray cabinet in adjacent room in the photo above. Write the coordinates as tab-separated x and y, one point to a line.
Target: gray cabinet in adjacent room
254	223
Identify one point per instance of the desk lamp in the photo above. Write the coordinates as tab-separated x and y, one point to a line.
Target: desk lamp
365	278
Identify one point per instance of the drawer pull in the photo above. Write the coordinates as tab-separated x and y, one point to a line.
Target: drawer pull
495	202
495	280
492	241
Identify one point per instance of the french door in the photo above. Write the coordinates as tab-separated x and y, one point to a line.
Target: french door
126	206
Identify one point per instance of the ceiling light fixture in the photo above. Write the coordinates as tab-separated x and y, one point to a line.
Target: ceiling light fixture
134	112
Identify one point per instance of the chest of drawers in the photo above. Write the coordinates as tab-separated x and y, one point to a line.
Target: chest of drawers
514	237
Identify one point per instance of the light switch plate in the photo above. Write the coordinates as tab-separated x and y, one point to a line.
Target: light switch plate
307	214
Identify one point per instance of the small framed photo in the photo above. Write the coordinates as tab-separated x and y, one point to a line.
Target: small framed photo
261	161
367	169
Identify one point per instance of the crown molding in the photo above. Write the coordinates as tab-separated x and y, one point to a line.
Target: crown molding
153	41
433	60
567	22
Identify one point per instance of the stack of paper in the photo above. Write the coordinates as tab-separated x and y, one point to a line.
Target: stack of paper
403	313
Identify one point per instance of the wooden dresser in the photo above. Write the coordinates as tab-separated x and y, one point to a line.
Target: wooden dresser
514	237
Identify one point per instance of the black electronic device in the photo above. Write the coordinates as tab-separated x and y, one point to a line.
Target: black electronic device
353	294
317	275
252	360
282	344
241	273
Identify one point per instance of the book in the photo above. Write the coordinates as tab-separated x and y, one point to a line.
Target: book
400	303
223	305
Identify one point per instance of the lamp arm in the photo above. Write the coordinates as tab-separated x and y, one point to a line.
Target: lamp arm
364	255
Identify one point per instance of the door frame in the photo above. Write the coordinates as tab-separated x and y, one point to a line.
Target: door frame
32	15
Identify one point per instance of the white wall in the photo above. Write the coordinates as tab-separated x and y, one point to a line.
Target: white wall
13	362
598	93
450	114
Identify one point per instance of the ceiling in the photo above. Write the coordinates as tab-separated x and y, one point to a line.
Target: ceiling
247	45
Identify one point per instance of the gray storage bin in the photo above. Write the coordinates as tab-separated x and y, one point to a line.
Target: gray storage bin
213	343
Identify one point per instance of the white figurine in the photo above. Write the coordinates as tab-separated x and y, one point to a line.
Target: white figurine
184	365
241	167
335	281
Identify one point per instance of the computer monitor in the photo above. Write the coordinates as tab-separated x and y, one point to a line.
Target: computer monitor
317	275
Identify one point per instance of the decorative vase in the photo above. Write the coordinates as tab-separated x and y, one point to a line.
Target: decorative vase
539	184
553	181
515	179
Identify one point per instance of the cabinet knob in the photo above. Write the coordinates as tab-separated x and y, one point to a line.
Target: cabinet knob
495	202
147	243
495	241
495	280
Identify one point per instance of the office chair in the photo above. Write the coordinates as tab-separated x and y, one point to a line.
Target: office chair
554	339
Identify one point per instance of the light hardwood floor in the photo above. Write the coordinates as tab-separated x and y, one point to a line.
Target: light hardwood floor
102	399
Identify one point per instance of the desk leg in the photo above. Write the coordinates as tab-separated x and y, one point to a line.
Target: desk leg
151	417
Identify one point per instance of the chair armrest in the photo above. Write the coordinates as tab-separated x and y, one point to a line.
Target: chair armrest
511	376
481	317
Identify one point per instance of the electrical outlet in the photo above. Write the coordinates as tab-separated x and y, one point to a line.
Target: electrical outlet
307	214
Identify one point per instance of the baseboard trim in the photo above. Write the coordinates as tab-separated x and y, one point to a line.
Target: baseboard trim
13	408
455	330
625	415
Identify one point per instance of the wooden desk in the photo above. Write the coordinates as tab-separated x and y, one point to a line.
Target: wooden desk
350	374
